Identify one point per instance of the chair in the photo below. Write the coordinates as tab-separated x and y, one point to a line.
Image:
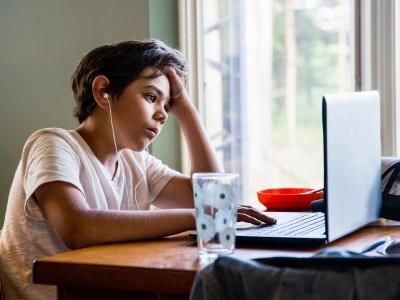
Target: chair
299	278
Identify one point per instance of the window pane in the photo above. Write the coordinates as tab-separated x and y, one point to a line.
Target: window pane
267	66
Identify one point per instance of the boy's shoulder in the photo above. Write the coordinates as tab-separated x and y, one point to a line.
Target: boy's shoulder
54	136
50	131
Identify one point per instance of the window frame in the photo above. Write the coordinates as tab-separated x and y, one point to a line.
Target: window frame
376	70
190	42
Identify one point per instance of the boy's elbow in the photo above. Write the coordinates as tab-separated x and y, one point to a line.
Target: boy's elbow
74	235
75	241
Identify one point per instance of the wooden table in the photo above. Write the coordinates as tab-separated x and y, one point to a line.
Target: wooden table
163	268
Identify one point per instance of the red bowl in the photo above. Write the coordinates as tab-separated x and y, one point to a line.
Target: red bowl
288	199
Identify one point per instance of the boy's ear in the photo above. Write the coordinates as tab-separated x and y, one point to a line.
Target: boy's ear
99	86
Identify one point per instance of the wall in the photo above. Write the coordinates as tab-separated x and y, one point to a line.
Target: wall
42	41
164	25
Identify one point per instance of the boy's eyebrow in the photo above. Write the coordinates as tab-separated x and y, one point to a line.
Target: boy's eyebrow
156	89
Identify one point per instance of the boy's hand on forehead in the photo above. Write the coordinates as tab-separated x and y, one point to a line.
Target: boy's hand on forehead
179	96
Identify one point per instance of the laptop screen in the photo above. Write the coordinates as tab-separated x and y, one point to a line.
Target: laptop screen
352	161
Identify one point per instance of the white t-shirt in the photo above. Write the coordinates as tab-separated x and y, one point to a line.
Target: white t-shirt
62	155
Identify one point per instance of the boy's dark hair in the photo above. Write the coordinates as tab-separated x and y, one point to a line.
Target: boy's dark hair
121	63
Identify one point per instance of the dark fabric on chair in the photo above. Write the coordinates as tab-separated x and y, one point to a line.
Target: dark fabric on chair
231	278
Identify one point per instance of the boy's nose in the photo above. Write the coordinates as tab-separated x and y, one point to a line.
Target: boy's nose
161	116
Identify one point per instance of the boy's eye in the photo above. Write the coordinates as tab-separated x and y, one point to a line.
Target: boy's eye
151	98
166	108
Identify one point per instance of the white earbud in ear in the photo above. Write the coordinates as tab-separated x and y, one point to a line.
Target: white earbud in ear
106	96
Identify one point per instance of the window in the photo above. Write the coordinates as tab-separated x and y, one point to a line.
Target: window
265	66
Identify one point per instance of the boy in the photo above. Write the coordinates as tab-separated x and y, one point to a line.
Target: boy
95	184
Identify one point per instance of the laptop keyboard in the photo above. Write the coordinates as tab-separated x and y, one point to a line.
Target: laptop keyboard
299	226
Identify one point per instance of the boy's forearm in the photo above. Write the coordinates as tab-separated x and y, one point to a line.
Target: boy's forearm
203	157
99	227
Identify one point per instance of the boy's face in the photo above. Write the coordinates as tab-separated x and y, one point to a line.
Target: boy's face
140	112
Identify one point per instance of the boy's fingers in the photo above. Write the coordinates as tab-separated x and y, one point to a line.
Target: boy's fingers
177	87
252	213
248	219
174	78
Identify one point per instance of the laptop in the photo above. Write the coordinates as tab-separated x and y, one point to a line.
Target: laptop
352	176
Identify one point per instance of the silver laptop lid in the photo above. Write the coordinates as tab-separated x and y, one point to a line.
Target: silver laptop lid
352	161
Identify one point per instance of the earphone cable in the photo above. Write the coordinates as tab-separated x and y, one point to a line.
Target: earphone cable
121	165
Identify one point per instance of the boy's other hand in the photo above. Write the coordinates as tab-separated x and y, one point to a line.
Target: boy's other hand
251	215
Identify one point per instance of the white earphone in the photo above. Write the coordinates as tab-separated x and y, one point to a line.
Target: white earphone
106	96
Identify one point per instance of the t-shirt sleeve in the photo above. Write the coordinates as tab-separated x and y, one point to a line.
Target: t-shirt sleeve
158	175
47	158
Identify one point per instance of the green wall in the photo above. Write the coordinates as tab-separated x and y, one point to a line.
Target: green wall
164	26
42	41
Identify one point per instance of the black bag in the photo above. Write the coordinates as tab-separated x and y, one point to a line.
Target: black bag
391	189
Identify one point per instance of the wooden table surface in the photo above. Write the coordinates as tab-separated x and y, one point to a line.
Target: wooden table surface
161	267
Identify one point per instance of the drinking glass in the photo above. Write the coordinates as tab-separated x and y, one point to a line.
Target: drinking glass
215	198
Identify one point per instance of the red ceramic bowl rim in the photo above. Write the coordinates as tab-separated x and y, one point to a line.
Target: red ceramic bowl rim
287	201
275	191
